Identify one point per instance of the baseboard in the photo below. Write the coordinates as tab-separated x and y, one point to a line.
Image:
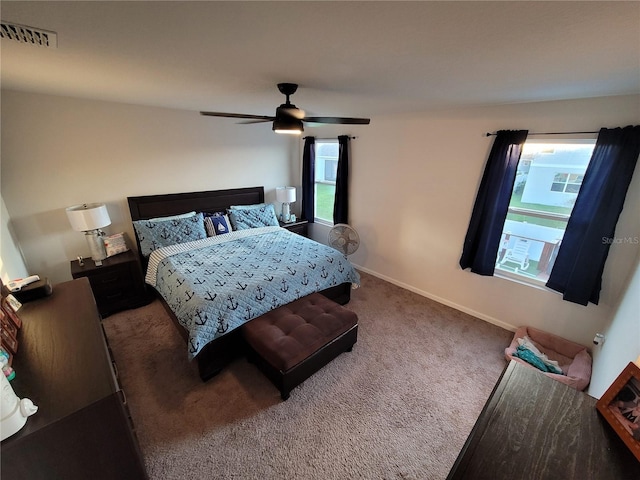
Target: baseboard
435	298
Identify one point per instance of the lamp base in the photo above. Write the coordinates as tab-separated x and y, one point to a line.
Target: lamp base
96	246
285	216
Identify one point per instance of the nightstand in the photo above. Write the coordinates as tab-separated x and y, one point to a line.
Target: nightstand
301	227
117	285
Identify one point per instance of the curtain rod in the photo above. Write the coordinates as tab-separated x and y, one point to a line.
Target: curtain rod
318	138
548	133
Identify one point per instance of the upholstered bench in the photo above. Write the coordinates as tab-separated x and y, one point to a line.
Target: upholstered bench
292	342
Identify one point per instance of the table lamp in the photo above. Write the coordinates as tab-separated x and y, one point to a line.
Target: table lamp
90	218
286	195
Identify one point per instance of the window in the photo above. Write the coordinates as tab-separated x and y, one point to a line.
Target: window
548	180
325	179
566	182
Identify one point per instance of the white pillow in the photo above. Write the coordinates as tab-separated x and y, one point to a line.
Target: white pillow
172	217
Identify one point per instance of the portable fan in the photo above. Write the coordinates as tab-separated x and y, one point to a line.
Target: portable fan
344	238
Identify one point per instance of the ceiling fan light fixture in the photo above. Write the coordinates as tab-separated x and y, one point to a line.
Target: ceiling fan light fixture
288	118
288	125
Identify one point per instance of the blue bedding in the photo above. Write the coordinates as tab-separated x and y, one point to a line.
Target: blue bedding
216	284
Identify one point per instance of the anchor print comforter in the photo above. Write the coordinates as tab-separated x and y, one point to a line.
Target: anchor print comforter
216	284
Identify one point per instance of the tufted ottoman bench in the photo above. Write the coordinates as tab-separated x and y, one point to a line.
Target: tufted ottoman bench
292	342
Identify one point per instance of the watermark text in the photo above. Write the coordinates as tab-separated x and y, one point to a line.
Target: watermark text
621	240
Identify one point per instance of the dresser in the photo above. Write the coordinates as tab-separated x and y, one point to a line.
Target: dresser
533	427
82	429
117	285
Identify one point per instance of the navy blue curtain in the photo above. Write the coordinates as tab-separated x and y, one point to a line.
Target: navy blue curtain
341	202
492	203
577	272
308	178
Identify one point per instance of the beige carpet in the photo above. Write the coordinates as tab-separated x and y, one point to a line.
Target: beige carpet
400	405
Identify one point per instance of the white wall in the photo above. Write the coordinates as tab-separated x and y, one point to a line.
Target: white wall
622	340
59	151
11	262
414	178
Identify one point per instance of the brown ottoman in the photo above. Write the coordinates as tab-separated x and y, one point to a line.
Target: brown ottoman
292	342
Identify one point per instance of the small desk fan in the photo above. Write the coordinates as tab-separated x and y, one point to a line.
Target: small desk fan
344	238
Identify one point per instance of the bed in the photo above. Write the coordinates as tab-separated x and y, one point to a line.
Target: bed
210	286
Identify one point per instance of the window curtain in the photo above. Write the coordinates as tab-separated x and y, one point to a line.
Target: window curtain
308	178
341	202
481	243
577	272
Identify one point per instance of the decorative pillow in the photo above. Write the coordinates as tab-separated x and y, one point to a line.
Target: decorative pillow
252	216
115	244
216	223
156	234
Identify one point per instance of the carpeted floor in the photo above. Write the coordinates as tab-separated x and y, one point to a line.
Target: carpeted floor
400	405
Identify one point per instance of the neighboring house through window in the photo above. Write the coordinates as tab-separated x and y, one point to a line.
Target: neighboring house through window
326	165
548	179
567	182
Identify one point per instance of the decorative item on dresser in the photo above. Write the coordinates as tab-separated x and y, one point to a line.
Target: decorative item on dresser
82	428
620	406
117	285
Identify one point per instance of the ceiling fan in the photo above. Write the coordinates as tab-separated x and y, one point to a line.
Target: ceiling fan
288	117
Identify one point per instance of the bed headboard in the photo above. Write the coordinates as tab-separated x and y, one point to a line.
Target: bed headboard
151	206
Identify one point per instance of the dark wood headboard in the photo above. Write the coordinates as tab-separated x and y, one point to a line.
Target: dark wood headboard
152	206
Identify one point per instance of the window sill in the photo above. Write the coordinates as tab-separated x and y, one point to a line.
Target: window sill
326	223
529	282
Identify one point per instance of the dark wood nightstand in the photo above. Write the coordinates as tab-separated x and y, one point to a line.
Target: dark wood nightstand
117	285
301	227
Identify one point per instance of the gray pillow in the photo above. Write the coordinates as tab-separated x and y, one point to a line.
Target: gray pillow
253	216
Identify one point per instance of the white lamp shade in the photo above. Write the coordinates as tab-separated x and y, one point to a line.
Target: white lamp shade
88	216
286	194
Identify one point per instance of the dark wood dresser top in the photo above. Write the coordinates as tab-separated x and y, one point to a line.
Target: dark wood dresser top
62	364
533	427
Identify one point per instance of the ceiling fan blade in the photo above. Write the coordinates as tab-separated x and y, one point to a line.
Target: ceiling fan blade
247	122
338	120
264	118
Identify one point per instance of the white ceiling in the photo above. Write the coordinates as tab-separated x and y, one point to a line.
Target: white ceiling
350	58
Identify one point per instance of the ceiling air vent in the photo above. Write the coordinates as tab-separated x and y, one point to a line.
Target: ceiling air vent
30	35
